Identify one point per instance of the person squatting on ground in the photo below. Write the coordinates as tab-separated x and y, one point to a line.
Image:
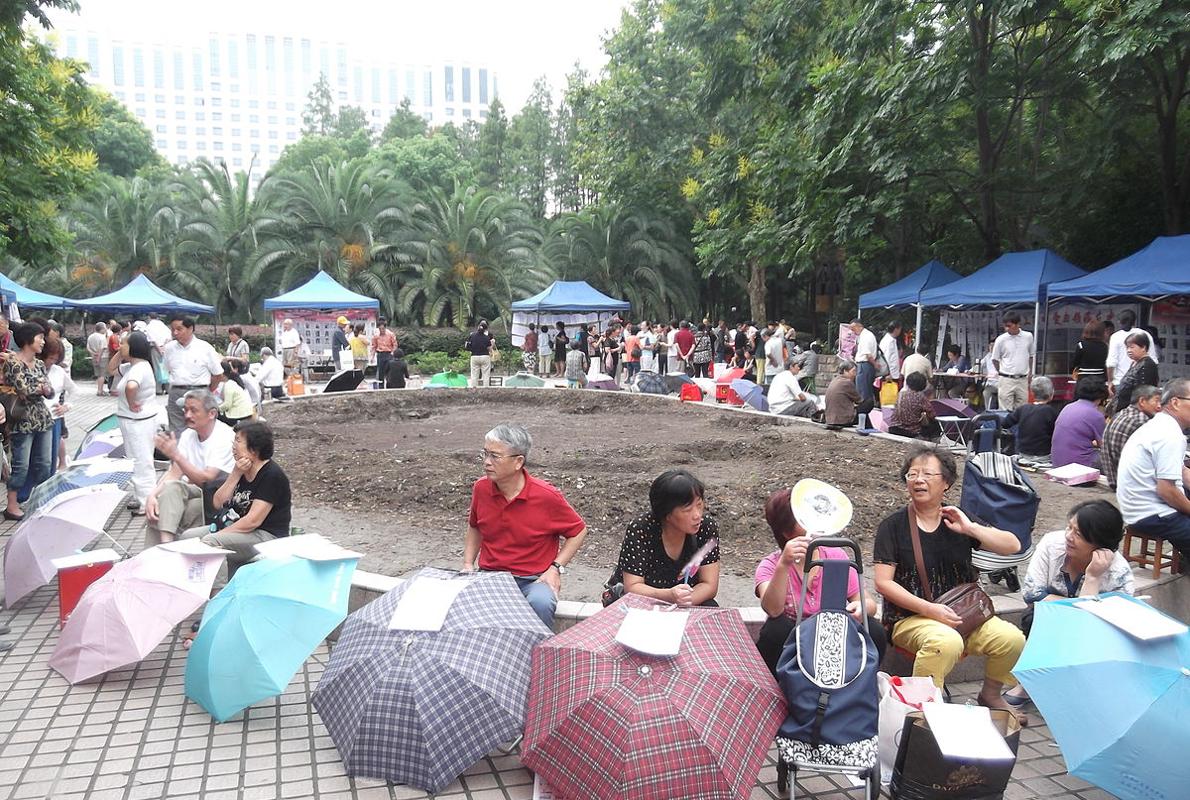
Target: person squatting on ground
516	522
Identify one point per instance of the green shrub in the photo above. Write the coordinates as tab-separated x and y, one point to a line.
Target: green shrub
81	365
431	362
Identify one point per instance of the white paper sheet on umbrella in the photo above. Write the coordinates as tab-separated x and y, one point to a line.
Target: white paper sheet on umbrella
194	547
1132	618
104	556
426	603
966	732
310	546
653	632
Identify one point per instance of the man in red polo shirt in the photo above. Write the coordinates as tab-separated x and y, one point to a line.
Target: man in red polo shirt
516	521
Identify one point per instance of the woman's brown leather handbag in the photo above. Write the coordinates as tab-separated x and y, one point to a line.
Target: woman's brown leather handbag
971	603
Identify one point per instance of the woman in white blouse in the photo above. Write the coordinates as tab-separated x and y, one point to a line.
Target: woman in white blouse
1082	561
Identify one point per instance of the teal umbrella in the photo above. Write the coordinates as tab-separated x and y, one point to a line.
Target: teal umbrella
261	628
1117	704
448	378
523	380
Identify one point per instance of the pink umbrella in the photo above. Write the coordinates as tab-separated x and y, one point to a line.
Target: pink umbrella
125	614
62	526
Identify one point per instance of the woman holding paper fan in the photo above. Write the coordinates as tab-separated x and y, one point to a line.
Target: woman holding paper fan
671	553
779	583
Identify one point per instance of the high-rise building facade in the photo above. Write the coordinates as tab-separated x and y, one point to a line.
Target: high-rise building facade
231	96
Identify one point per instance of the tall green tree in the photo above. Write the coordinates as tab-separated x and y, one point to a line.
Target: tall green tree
478	251
318	117
121	142
403	124
492	146
527	155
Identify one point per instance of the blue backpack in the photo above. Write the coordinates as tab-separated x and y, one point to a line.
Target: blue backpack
828	674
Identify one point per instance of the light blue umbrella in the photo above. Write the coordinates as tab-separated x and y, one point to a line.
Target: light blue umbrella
261	628
1118	706
750	393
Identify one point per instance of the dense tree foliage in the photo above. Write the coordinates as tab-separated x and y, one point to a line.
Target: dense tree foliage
752	154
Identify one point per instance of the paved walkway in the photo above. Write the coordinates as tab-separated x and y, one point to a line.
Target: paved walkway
134	735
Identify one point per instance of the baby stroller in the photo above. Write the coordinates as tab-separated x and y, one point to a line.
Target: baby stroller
997	492
828	674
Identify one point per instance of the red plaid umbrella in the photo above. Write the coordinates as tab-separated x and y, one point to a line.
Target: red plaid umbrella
608	722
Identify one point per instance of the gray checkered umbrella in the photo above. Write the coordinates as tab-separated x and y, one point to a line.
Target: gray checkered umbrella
420	707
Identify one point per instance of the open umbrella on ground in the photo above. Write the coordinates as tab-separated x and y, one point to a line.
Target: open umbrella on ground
262	627
60	527
599	380
1117	704
730	375
102	471
750	393
125	614
420	707
707	385
523	380
345	381
606	721
675	380
651	383
448	379
102	439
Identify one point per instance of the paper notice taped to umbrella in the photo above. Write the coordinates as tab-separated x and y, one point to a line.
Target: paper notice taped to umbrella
310	546
1133	618
652	631
426	603
193	546
966	732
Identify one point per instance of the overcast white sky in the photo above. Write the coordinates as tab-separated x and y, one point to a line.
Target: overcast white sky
520	39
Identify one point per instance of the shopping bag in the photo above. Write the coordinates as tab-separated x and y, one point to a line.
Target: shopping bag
888	393
898	697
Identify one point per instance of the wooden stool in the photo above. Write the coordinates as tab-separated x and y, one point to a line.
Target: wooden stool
1153	556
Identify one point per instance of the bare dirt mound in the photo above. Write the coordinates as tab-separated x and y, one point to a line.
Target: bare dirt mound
391	473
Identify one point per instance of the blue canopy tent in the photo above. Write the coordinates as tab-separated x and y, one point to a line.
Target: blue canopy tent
321	291
11	291
141	295
1162	268
569	296
1013	279
908	290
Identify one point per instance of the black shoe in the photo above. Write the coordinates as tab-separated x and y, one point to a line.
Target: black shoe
8	515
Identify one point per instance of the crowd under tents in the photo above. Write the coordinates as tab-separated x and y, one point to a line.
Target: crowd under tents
315	306
141	296
569	302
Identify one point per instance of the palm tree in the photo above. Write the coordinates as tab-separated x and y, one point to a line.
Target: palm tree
218	238
122	227
626	254
479	251
352	220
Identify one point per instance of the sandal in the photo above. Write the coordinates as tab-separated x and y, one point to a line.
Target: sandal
1015	701
1021	717
11	517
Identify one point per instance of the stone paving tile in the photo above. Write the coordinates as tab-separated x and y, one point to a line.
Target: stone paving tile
132	734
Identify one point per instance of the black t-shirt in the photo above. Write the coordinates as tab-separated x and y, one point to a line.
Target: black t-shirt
561	344
271	485
1035	428
479	343
643	552
946	554
398	373
741	341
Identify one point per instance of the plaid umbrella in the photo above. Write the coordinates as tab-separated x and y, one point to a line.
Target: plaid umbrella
419	707
117	471
609	722
651	383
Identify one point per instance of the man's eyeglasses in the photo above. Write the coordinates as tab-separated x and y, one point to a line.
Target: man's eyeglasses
912	476
487	455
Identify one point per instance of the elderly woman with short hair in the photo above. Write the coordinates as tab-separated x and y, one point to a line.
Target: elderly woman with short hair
842	396
1035	421
947	537
663	540
1143	371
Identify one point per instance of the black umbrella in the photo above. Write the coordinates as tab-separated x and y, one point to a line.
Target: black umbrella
674	380
347	381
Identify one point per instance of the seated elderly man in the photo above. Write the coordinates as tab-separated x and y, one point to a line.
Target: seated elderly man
516	521
1152	477
786	396
1035	421
200	455
1146	402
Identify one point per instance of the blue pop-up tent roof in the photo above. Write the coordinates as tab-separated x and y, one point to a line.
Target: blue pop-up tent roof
321	291
907	291
1011	279
11	290
572	296
141	295
1162	268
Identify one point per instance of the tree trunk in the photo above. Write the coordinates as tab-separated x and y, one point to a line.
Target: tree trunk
757	291
1169	89
980	26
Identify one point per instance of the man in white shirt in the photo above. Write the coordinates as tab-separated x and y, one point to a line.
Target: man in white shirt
159	336
786	396
190	363
918	362
1118	362
1152	477
1012	356
774	355
865	362
97	349
270	375
201	455
291	340
890	350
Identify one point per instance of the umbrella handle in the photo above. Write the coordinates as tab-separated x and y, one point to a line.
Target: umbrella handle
116	544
